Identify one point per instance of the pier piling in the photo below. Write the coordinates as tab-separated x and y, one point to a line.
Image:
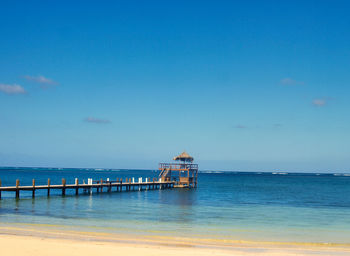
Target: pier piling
77	186
48	187
33	184
63	187
17	189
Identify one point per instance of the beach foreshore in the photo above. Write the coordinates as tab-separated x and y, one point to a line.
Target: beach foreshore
40	241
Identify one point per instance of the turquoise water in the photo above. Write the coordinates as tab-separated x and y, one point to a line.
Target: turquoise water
226	205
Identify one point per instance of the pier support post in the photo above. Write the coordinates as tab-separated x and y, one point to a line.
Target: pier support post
17	189
0	190
76	186
63	187
90	187
48	187
121	185
109	185
101	185
33	193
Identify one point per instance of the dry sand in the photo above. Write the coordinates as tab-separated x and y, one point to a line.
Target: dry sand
34	241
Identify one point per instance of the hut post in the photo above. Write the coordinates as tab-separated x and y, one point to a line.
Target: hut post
101	185
33	183
17	188
63	187
188	175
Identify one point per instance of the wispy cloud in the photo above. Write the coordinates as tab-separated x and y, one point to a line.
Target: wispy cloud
290	81
319	102
12	89
96	120
45	82
240	126
253	127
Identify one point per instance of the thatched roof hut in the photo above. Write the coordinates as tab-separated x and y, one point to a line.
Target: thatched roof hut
184	157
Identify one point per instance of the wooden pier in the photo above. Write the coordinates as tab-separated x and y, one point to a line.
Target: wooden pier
117	185
185	176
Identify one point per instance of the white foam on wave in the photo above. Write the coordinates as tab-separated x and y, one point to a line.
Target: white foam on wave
341	174
211	171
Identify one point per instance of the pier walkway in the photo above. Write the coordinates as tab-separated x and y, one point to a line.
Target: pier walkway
99	185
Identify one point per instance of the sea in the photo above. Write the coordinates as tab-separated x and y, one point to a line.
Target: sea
249	206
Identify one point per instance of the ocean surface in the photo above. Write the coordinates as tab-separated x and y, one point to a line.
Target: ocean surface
278	207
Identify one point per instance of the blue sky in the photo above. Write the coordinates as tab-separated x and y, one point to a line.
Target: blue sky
240	85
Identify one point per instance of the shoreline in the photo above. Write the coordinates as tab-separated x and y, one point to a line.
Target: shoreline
45	236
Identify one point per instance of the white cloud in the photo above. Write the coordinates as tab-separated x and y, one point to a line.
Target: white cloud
96	120
319	102
290	81
41	80
12	89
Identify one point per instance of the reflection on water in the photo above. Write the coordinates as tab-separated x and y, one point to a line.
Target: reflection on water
180	197
181	202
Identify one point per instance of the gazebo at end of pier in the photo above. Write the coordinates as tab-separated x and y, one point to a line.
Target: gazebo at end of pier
184	173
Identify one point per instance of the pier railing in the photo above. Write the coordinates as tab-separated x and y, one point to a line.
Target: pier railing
178	167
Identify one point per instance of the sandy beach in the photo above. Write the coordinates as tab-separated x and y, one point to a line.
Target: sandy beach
42	241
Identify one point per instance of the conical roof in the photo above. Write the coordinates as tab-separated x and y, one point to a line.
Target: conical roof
184	157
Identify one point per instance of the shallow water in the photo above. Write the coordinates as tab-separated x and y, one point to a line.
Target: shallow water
238	206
